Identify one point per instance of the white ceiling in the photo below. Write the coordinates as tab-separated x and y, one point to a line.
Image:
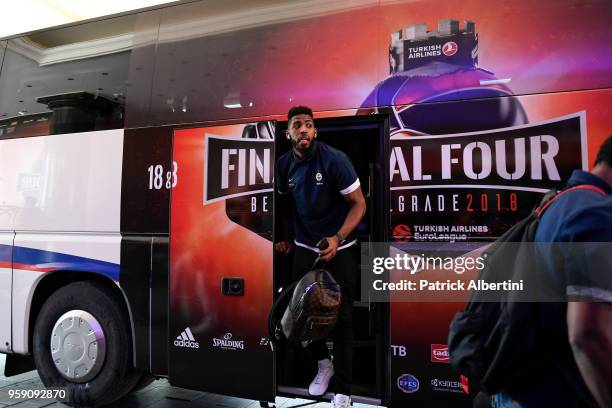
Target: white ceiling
29	15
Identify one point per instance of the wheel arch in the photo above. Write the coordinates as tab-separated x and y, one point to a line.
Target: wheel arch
57	279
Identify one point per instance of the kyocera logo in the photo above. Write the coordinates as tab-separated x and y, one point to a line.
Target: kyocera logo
408	383
450	48
439	353
236	167
460	386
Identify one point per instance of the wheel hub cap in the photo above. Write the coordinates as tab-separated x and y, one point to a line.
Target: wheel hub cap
78	346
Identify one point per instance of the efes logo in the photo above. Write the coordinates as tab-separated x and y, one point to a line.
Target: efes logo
450	48
319	176
236	167
439	353
408	383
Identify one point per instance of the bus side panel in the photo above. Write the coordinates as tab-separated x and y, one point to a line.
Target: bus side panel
221	232
530	47
6	257
145	220
69	182
145	198
461	209
62	199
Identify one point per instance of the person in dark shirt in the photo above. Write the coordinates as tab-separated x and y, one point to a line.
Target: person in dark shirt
576	337
327	204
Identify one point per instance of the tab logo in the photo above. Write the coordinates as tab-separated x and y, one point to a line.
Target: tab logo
236	167
439	353
186	339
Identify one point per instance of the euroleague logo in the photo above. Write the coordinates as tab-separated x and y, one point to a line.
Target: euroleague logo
402	233
450	48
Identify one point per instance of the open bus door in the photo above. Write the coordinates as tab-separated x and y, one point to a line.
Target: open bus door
221	257
365	139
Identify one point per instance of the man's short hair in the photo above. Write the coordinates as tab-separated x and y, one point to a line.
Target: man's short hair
605	152
299	110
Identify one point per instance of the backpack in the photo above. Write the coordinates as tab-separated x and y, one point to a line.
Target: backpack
493	342
312	311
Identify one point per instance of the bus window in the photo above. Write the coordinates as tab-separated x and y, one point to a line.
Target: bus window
67	80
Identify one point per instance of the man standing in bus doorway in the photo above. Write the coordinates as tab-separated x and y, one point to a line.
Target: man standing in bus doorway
575	338
327	203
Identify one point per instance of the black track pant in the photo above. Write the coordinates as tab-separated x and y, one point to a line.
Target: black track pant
344	269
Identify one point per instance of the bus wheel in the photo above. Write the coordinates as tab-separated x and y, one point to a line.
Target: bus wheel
82	342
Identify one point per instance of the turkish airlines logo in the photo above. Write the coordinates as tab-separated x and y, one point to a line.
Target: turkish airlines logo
402	233
450	48
439	353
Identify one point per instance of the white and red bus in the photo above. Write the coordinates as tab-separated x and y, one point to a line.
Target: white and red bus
137	210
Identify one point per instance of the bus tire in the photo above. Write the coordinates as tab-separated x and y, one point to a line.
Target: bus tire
114	376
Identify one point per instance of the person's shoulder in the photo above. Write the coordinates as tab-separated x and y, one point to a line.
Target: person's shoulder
284	160
590	218
593	208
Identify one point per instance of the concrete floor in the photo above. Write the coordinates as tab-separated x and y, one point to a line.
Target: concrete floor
159	395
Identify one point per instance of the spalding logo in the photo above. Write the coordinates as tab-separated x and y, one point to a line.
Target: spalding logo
408	383
450	48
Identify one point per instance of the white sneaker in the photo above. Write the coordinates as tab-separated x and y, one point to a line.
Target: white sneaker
341	401
318	386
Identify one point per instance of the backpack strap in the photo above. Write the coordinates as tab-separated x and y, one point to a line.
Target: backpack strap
272	321
588	187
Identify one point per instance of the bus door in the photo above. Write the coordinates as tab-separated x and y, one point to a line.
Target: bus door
365	140
221	260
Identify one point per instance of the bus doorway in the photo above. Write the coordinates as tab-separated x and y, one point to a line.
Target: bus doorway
365	141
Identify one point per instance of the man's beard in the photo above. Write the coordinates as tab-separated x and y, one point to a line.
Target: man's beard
305	152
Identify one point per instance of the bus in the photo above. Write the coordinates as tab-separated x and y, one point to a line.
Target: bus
137	207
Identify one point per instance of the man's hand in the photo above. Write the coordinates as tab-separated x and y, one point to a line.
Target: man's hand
328	253
283	247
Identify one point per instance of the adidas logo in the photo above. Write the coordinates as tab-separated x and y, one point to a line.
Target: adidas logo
186	339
